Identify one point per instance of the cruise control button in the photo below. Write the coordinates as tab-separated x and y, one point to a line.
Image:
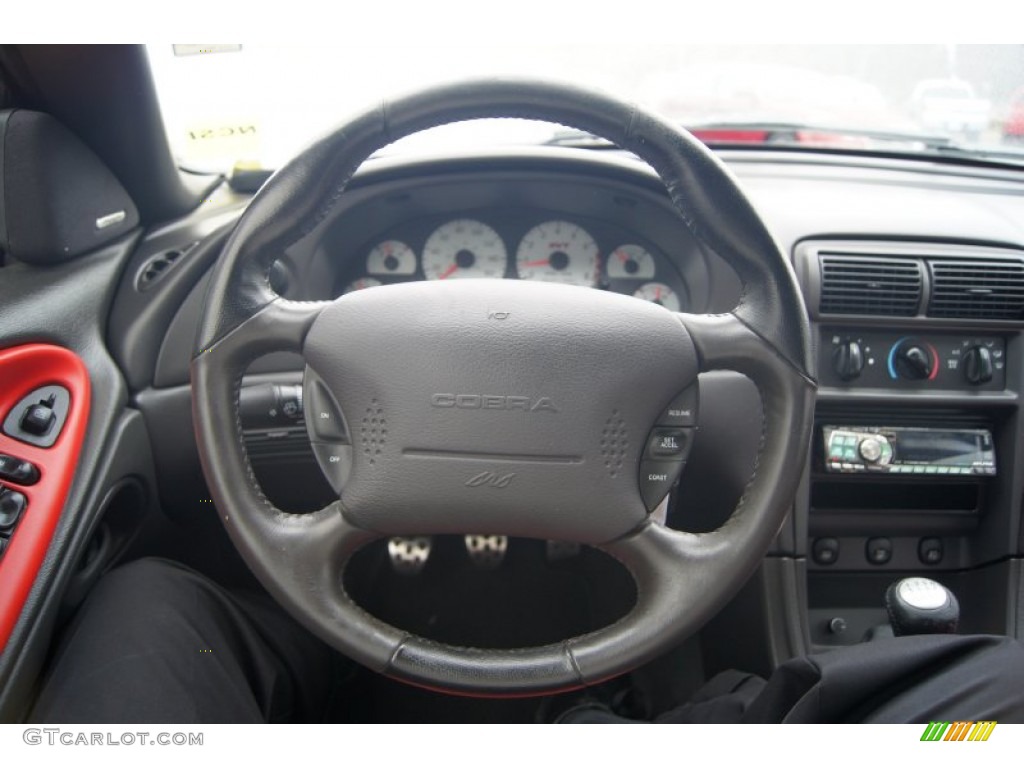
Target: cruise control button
323	416
682	411
335	462
656	480
17	470
12	504
668	444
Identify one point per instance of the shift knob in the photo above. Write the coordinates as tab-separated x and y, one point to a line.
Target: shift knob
920	606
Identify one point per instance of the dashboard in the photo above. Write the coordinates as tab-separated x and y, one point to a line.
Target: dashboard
894	362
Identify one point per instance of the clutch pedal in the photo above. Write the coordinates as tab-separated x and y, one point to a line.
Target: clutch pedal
409	554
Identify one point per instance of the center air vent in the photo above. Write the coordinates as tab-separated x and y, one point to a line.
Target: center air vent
863	285
977	290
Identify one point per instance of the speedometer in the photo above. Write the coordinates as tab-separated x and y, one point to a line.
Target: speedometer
464	248
559	252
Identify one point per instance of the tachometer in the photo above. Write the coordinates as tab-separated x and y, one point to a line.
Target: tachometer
659	293
559	252
391	257
464	248
630	261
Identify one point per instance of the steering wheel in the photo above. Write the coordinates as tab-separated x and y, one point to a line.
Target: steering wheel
505	406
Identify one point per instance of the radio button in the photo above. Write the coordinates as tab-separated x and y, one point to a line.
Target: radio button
870	449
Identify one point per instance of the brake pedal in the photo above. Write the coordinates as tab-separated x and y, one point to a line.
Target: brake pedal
486	551
561	550
409	554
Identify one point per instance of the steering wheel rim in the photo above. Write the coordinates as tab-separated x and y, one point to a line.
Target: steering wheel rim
682	579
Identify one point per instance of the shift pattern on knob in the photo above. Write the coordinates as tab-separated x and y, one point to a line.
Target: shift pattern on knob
919	606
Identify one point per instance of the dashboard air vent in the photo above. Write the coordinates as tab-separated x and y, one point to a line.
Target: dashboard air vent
157	266
977	290
865	285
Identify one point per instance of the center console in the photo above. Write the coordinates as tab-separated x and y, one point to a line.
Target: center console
914	468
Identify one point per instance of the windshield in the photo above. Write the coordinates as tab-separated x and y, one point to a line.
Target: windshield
259	105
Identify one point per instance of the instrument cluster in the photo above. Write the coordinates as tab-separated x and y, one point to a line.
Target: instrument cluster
526	248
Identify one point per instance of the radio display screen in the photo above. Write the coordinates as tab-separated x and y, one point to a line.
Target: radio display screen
962	448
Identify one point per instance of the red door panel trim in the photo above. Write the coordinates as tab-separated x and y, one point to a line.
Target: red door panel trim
23	369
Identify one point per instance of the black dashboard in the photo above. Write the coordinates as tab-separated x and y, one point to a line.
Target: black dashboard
601	218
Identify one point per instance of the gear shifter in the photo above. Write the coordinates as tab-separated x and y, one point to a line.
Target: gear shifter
919	606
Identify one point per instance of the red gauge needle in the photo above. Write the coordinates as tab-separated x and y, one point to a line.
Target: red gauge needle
657	293
448	272
623	256
537	263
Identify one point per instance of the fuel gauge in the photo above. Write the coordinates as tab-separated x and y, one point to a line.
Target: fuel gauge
659	293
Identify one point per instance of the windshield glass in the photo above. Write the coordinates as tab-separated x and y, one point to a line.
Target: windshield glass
259	105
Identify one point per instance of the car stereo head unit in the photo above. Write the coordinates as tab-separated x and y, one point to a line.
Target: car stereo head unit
908	450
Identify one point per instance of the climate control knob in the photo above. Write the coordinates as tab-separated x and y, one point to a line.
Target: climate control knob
913	361
978	365
848	360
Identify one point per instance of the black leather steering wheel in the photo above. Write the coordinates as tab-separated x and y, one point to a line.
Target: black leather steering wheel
442	383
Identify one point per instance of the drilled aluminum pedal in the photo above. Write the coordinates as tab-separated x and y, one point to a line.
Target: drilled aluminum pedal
486	551
409	554
561	550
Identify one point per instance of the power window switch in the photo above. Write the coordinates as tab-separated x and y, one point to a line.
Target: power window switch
15	470
12	504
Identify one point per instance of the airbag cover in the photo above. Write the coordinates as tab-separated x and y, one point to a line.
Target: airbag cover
498	406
